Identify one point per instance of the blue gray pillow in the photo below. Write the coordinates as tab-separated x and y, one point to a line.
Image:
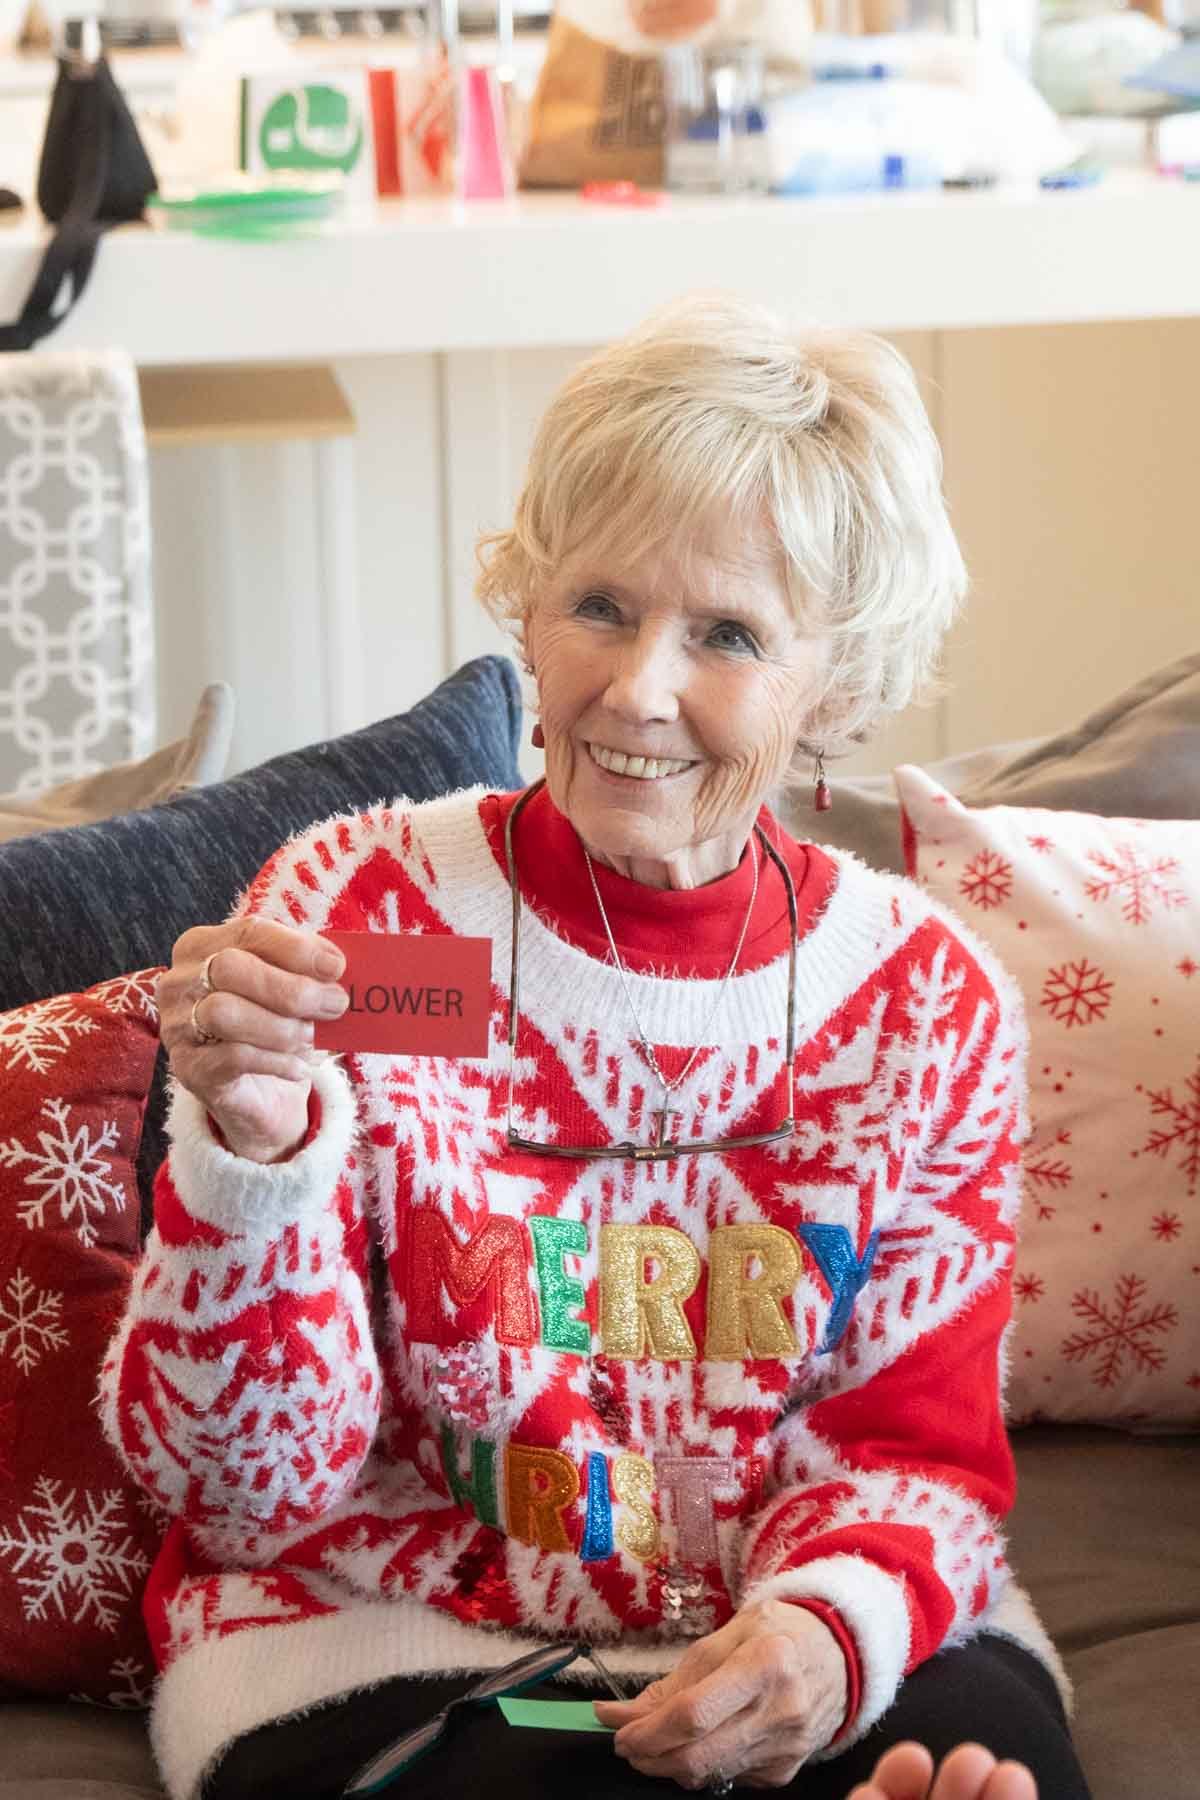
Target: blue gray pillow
79	905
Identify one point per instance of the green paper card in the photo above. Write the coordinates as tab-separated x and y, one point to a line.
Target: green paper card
552	1715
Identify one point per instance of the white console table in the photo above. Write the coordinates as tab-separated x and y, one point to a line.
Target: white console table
542	270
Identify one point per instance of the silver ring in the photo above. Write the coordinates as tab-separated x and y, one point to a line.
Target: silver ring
207	984
720	1783
202	1036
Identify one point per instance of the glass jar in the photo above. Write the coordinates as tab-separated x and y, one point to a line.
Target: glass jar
715	126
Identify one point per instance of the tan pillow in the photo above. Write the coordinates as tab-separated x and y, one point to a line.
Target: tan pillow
193	762
1138	758
865	817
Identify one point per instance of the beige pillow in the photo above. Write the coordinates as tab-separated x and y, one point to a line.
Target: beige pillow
193	762
1137	758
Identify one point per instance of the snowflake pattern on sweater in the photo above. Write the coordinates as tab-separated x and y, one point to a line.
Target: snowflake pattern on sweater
410	1364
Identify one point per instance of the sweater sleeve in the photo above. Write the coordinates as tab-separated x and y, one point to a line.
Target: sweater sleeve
242	1387
886	1497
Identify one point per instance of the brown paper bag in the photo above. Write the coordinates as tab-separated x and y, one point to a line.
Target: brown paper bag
597	115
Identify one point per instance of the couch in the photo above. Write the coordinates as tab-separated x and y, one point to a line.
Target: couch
1105	1531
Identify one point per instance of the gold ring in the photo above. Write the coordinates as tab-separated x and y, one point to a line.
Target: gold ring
207	984
202	1036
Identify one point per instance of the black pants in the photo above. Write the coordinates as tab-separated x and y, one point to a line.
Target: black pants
990	1692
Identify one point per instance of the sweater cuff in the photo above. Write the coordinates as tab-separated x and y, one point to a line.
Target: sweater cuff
310	1130
836	1625
248	1199
871	1606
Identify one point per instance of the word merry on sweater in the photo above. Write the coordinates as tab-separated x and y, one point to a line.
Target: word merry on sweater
541	1484
646	1273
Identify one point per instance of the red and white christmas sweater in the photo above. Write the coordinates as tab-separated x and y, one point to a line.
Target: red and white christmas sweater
412	1398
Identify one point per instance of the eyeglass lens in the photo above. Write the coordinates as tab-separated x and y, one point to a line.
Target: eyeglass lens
537	1667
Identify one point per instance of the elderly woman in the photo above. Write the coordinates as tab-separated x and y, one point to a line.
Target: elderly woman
674	1330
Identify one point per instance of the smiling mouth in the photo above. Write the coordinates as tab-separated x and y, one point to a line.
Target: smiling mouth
641	768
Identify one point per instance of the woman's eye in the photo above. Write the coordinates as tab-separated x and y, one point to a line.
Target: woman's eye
597	606
729	635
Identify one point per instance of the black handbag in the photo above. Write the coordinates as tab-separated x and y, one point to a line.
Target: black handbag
94	172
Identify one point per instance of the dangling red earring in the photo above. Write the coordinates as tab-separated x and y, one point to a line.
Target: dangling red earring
824	799
538	736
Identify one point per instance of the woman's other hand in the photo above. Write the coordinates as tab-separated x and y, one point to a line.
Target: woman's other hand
752	1702
969	1773
269	983
672	18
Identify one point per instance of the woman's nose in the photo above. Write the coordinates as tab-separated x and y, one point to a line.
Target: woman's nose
646	681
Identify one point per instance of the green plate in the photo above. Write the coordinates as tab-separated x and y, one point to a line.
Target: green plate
249	207
300	193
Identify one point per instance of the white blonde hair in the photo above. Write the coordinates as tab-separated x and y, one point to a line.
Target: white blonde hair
712	404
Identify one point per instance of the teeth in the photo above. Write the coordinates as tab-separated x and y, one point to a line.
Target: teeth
642	768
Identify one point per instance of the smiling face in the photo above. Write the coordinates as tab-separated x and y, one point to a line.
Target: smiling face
672	692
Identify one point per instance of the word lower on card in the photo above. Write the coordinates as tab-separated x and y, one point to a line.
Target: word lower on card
424	994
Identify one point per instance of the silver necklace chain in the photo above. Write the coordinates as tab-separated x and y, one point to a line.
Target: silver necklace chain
668	1087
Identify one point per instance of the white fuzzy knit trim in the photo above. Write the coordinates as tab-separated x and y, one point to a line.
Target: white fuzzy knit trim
224	1687
867	916
1012	1615
872	1607
249	1199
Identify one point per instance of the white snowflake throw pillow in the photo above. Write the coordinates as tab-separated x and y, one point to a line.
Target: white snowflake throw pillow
1099	921
77	1537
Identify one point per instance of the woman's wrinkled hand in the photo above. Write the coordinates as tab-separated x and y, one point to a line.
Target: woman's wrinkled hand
752	1702
672	18
269	984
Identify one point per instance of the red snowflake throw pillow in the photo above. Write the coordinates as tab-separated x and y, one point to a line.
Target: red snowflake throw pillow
1099	921
76	1536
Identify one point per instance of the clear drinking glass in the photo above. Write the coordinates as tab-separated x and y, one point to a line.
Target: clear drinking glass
715	138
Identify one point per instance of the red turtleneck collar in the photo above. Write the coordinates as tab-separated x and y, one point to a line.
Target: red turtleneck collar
685	931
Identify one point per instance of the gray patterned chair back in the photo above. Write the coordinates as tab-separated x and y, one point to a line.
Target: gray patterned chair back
77	687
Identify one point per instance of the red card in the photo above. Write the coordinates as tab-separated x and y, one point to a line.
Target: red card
412	995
